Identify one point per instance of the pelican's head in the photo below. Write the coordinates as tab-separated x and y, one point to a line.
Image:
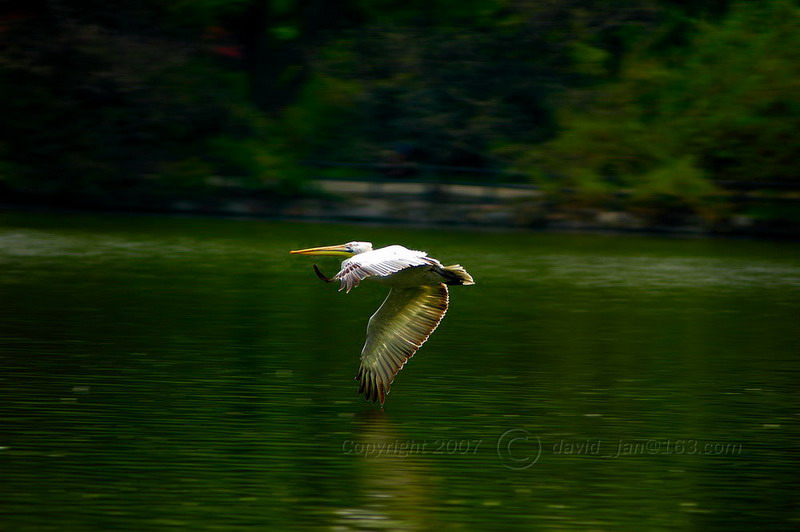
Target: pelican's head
342	250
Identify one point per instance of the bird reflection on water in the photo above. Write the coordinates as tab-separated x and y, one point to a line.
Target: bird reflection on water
395	484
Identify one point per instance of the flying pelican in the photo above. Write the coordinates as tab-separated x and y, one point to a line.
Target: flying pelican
416	303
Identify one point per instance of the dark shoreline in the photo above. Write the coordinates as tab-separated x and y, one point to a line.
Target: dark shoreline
563	225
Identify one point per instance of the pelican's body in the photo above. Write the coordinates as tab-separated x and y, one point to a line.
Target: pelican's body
416	304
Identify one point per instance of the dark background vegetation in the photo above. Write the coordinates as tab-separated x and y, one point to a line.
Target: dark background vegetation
668	101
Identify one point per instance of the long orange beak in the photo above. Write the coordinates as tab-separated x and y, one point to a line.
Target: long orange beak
337	251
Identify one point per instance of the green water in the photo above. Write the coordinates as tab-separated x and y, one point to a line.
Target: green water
188	374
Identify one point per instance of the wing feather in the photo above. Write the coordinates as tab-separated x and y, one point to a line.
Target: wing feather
398	328
381	262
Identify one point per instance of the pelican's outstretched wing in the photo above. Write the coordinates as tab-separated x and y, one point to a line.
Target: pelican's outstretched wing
401	325
381	262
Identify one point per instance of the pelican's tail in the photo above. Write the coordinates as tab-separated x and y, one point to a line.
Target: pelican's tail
455	274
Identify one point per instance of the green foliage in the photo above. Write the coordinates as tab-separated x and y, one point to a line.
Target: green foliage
124	110
724	107
738	95
649	100
313	122
589	60
677	185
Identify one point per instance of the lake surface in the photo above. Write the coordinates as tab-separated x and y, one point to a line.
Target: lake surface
188	374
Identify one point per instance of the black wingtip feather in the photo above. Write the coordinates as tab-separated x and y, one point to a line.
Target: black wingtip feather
372	386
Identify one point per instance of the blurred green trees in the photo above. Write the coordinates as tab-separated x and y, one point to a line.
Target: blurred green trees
659	99
723	107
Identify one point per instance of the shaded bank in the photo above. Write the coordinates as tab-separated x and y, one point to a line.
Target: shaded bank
438	204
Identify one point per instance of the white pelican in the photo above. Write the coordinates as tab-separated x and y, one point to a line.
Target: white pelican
413	309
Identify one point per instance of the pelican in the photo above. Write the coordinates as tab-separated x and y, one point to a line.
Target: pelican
416	303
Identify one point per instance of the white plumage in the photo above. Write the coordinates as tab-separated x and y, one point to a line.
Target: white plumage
415	306
380	263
